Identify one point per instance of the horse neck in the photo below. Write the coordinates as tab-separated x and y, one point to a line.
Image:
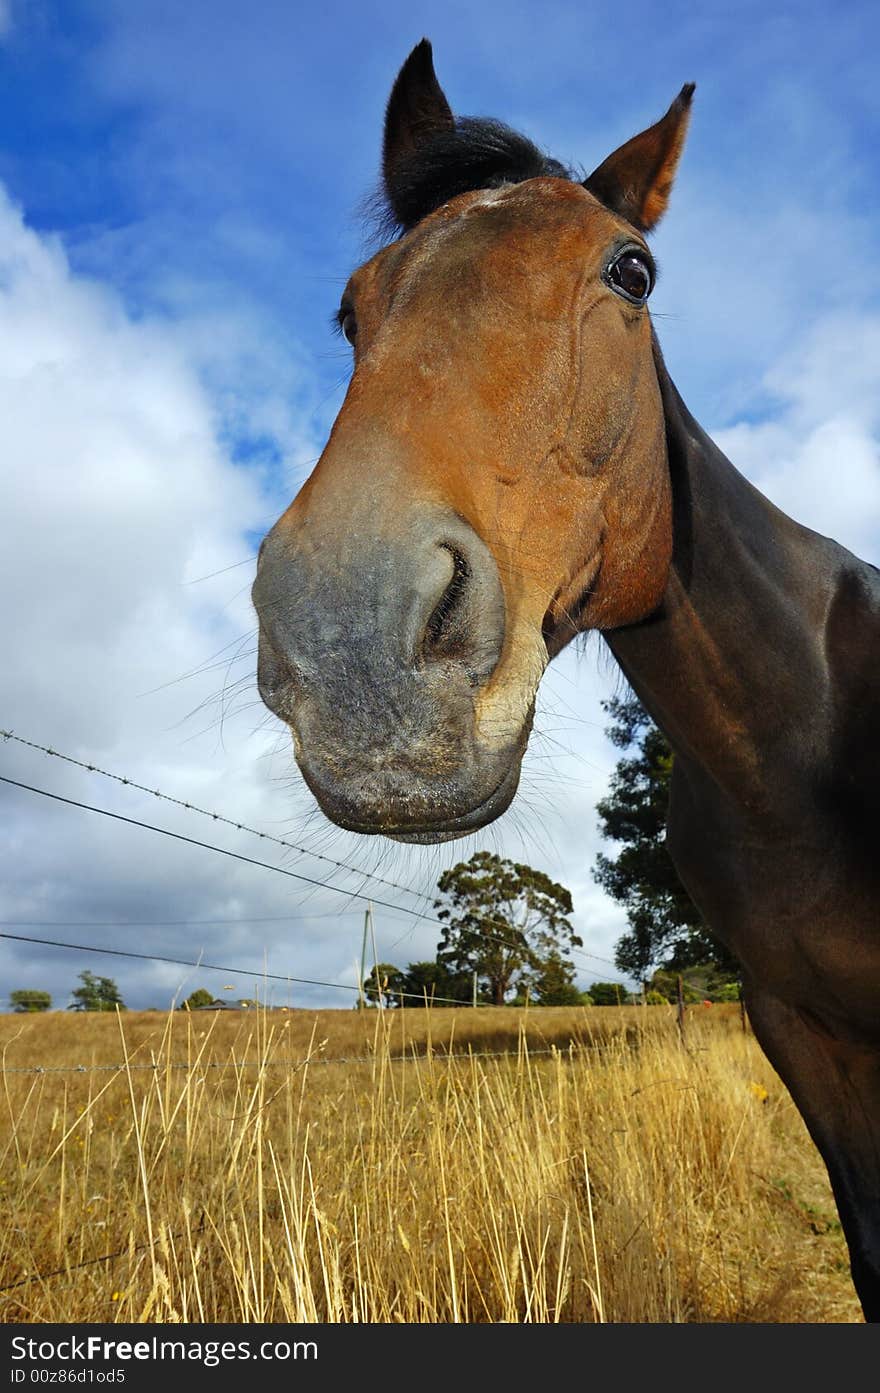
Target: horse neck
732	666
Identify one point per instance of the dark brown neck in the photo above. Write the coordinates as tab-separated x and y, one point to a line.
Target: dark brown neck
732	666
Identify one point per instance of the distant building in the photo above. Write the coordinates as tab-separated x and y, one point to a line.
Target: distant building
242	1004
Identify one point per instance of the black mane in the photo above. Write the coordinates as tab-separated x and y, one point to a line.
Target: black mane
477	153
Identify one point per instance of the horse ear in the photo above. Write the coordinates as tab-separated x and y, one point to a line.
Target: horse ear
636	180
417	109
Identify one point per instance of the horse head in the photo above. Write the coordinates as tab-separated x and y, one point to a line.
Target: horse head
496	480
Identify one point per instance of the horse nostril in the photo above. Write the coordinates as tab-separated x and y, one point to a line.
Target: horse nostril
447	625
460	593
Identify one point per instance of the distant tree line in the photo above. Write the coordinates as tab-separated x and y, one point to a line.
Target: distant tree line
507	940
507	936
94	994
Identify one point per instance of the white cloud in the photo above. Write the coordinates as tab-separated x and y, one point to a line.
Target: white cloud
118	497
818	458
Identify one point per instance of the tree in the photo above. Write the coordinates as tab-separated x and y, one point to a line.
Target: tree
425	983
96	994
608	994
553	983
665	925
503	921
699	982
29	1000
200	997
432	983
384	983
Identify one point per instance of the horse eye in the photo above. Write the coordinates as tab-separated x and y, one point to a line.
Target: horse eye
348	325
632	276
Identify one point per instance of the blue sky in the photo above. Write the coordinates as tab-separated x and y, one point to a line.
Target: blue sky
181	187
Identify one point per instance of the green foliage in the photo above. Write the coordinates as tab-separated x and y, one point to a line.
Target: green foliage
553	983
30	1000
504	921
608	994
200	997
96	994
655	998
383	984
433	983
666	983
665	925
421	984
728	991
699	982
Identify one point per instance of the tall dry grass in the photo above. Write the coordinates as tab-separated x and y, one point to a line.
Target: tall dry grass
219	1168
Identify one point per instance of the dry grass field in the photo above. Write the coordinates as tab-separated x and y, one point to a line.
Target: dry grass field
228	1168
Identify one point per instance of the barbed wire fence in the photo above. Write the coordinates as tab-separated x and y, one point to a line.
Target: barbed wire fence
416	915
430	1054
427	1052
375	992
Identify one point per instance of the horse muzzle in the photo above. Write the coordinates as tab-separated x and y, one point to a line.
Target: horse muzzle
376	656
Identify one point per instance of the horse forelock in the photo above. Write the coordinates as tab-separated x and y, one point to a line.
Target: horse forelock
477	153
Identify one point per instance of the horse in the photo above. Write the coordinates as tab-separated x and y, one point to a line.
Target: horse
512	466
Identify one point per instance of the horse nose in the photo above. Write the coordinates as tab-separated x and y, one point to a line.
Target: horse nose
422	597
459	615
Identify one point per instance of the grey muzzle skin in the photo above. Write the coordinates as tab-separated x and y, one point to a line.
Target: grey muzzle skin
373	651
